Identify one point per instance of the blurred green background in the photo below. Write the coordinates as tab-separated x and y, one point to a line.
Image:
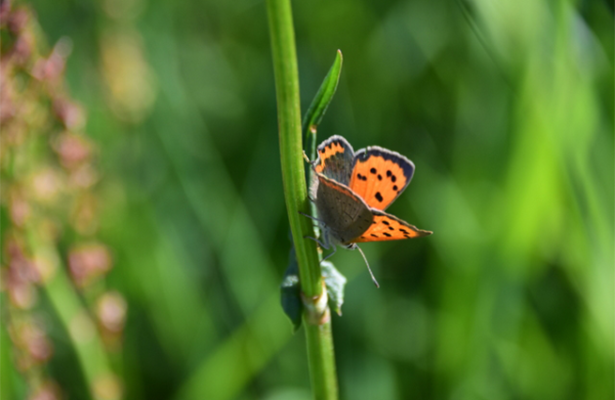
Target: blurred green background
506	109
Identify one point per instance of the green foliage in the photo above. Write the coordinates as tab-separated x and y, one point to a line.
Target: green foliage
291	292
505	108
318	106
335	283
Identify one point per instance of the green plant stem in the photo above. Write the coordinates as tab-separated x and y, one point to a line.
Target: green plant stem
289	124
318	333
321	359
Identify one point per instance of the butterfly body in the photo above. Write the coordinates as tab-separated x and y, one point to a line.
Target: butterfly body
352	190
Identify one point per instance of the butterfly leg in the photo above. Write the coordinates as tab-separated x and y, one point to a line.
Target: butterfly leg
324	246
310	217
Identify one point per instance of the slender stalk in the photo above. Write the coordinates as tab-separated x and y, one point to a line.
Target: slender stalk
289	124
318	330
77	321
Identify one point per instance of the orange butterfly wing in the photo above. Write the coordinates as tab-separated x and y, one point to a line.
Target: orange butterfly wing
380	175
335	158
389	227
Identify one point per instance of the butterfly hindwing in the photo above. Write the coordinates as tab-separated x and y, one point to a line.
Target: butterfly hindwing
343	214
389	227
380	175
335	159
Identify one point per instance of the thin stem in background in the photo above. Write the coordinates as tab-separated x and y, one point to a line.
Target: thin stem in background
81	329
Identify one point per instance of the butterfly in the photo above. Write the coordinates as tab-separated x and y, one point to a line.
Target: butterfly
352	190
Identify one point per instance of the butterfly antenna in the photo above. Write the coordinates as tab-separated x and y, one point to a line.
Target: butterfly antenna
368	268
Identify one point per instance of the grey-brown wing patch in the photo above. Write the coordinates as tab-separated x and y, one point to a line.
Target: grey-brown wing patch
345	215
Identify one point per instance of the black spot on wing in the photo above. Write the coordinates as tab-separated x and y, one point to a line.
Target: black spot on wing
404	163
378	196
386	234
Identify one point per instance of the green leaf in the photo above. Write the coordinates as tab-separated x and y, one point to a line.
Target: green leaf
314	115
290	291
335	283
319	105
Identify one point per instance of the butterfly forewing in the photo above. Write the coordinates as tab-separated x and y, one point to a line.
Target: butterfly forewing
389	227
344	214
335	159
380	175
